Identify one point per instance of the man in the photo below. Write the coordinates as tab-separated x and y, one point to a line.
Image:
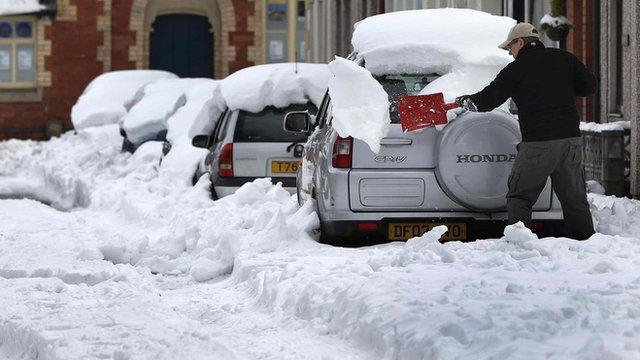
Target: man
543	82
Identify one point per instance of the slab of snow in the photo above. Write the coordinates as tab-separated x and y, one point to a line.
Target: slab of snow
104	101
360	104
14	7
611	126
280	85
433	40
160	100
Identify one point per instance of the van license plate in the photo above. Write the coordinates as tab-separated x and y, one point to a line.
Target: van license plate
406	231
285	167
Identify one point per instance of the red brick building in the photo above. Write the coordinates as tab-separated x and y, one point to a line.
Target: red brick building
51	49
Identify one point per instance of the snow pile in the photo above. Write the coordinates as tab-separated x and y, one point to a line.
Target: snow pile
104	101
14	7
280	85
360	104
79	283
462	300
160	100
434	40
611	126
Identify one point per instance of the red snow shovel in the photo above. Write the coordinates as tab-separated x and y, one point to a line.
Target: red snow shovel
422	111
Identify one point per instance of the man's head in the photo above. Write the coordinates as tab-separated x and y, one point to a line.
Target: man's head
518	37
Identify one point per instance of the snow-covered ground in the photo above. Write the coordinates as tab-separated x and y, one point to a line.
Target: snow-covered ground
125	263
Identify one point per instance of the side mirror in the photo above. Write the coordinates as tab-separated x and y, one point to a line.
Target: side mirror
297	121
200	141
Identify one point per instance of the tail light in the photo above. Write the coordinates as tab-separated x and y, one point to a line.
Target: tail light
368	226
225	163
342	153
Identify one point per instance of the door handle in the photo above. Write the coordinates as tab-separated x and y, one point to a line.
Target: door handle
396	141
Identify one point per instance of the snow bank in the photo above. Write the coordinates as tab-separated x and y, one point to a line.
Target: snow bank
434	40
280	85
104	101
79	285
160	100
14	7
360	104
611	126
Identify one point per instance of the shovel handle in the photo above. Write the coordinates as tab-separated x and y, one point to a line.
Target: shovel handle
450	106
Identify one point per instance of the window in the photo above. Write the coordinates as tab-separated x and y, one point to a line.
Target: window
17	53
401	85
266	126
285	26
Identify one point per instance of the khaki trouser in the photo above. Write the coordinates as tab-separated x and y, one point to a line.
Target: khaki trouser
562	160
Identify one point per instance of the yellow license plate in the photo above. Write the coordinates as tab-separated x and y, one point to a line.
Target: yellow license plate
406	231
285	167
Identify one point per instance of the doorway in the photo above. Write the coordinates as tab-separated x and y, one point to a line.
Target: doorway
182	44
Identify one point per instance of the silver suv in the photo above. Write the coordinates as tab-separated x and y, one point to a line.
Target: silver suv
456	177
245	146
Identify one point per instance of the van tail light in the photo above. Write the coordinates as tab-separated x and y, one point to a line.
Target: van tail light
225	163
342	153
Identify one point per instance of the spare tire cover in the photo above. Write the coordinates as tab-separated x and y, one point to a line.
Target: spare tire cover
475	156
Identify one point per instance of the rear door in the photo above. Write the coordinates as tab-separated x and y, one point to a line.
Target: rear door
399	176
261	146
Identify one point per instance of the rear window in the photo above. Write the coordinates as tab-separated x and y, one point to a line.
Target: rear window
401	85
267	125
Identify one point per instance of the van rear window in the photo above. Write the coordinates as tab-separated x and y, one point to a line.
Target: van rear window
267	125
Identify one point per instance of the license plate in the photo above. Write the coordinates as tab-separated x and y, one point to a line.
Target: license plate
406	231
285	167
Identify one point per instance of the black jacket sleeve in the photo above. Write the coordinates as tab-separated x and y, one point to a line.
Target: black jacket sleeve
498	91
584	82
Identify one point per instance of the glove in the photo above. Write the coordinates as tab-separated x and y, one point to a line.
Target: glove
466	103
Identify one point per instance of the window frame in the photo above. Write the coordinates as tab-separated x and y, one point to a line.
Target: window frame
14	42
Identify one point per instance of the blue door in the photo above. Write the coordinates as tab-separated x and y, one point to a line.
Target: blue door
183	45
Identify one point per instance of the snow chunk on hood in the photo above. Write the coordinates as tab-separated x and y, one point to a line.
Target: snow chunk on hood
433	40
161	100
280	85
360	104
104	101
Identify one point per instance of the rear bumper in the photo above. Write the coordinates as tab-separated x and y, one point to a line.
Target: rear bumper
347	233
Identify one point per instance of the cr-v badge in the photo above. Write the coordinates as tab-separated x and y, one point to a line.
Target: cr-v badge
389	159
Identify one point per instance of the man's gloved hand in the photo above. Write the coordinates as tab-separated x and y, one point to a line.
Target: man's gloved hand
466	103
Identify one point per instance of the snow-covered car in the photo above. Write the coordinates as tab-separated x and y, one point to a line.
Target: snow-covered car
245	146
111	95
248	140
153	105
456	176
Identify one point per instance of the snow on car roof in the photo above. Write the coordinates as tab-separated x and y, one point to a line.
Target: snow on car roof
160	101
104	100
432	40
280	85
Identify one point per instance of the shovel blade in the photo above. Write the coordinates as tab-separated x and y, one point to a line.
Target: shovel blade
422	111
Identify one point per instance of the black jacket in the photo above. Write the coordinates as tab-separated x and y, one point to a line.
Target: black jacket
543	82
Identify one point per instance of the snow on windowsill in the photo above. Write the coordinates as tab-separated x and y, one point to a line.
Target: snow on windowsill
14	7
554	21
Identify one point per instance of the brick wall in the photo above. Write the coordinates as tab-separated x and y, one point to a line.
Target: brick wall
72	64
87	38
581	42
